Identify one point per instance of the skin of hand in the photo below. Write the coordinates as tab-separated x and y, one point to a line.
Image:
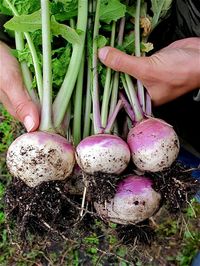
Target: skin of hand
13	93
167	74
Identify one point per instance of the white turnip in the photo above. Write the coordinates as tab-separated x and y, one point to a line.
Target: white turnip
43	155
39	157
103	153
135	200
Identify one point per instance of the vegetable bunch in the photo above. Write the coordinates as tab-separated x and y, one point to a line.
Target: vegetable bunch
57	44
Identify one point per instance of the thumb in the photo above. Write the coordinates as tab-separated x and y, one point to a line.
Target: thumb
24	109
137	67
13	93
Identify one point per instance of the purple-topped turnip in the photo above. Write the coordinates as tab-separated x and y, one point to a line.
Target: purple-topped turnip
153	143
135	200
102	152
44	155
40	156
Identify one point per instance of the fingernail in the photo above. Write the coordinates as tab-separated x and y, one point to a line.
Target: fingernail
103	53
29	123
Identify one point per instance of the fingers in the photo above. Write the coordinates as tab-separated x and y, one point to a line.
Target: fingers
137	67
12	92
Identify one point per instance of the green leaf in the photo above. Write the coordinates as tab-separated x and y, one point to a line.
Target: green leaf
60	62
101	41
64	9
131	10
159	9
25	23
24	7
129	43
65	31
111	10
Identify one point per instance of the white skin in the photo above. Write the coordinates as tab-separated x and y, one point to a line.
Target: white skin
167	74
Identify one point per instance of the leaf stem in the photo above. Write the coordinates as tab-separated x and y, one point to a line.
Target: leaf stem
127	107
19	42
88	101
78	104
38	73
107	87
133	99
112	118
95	92
115	86
46	112
141	94
63	97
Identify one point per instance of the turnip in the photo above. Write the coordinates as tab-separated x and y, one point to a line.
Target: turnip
102	152
40	156
135	200
44	155
153	143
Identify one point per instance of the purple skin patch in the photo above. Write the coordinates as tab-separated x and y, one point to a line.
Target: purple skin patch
105	140
146	133
43	137
134	185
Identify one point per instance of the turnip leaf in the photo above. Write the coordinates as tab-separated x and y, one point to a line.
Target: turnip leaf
159	9
111	10
64	9
23	23
32	22
65	31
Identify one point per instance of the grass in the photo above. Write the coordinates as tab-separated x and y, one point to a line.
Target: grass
177	241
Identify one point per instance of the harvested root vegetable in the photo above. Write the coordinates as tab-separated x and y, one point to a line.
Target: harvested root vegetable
44	155
135	200
103	153
39	156
154	145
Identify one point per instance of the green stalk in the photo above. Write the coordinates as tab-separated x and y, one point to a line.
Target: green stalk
36	64
141	94
133	99
95	83
78	105
88	103
46	121
27	78
115	87
66	121
88	98
63	97
107	87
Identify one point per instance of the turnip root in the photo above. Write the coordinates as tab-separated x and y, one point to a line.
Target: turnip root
154	145
135	200
40	156
103	153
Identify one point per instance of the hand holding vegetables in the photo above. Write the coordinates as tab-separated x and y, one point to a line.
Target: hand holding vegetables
13	93
167	74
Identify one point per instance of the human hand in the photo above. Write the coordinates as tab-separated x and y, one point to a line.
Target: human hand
13	93
167	74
